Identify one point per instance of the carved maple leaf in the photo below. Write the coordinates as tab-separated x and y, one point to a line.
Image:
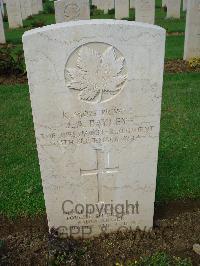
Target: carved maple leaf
96	74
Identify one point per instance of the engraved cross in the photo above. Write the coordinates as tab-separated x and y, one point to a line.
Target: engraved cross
100	170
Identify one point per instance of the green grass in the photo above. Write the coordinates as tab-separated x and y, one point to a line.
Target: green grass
171	25
179	153
159	258
174	47
47	19
20	176
174	44
178	167
15	35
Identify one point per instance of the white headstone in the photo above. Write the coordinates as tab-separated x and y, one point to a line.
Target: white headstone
145	11
96	3
40	5
2	34
26	10
14	13
1	7
34	7
164	3
111	4
132	3
173	8
107	5
66	10
100	4
121	9
192	31
185	5
96	101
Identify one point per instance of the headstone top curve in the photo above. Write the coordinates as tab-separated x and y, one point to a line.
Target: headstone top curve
93	22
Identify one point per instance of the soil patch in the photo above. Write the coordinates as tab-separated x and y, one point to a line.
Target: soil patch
13	79
179	66
164	210
175	33
25	241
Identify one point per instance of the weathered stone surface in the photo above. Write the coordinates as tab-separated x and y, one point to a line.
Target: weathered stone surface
164	3
192	31
40	5
96	101
26	9
1	7
104	5
173	8
2	34
108	5
66	10
34	7
145	11
132	3
96	3
185	5
121	9
14	13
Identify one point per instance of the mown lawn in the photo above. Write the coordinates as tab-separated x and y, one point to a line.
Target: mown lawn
179	153
20	176
174	45
178	166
